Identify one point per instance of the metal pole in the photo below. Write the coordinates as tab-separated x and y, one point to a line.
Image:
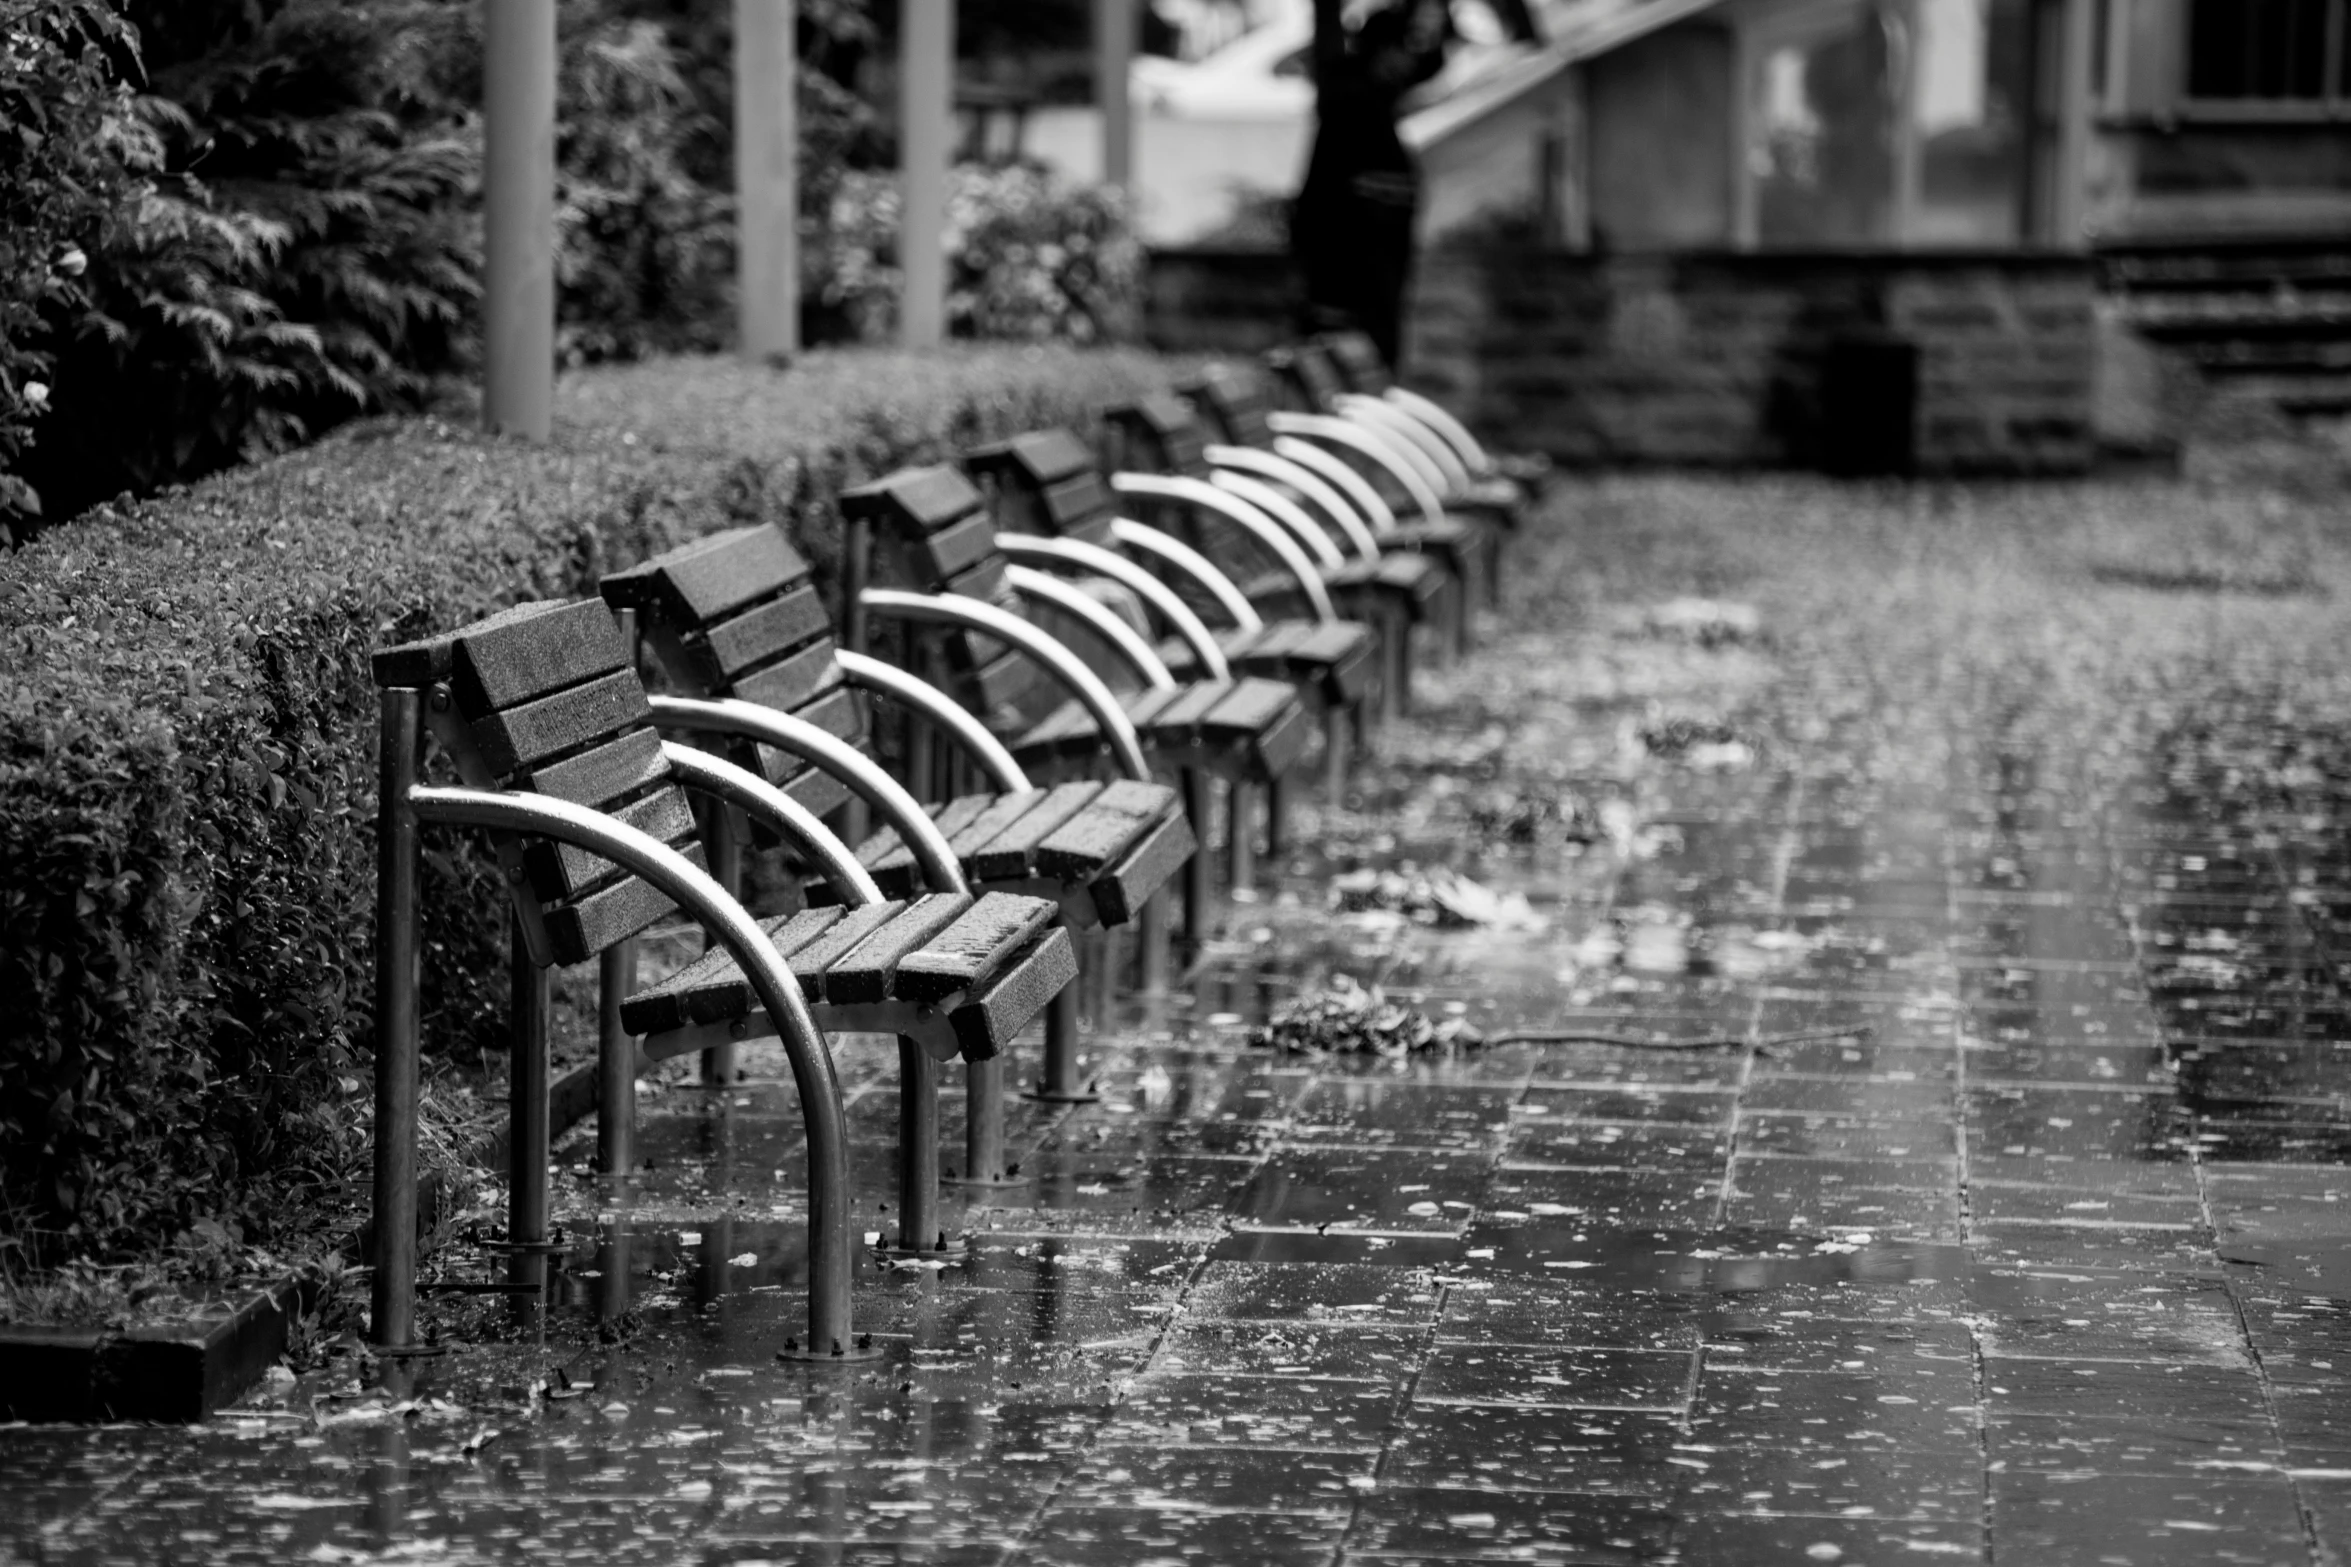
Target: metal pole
722	843
2069	207
1198	806
1154	939
527	1146
918	1147
616	1060
392	1305
926	111
518	200
983	1121
767	179
1114	52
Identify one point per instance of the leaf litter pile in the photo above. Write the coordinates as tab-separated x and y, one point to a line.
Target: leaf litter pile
1350	1018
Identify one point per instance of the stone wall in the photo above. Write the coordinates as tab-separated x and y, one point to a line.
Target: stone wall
1720	359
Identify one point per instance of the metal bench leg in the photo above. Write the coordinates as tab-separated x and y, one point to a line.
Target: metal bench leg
983	1124
392	1304
1102	993
616	1061
1153	938
528	1141
918	1148
1277	817
1063	1081
1240	837
722	843
1197	809
1334	753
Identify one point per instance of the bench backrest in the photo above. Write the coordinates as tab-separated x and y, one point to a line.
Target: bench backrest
934	534
549	703
1306	376
1158	434
1045	482
738	615
1357	360
1234	403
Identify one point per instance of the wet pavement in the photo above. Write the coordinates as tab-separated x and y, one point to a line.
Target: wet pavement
2048	1260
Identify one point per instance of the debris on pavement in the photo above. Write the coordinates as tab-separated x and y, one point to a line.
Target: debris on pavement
1353	1019
1437	897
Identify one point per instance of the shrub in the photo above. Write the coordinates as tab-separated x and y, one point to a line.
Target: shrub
186	745
1031	257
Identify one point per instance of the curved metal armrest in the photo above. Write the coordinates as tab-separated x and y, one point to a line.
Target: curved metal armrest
1306	482
722	779
1097	617
1284	510
1422	446
1077	555
1015	633
1332	429
1456	434
829	752
920	696
1340	477
780	996
1177	556
1207	497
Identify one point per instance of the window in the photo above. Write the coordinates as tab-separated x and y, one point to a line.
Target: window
2266	51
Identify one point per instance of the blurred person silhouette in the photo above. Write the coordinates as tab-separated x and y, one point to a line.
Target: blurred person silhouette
1351	228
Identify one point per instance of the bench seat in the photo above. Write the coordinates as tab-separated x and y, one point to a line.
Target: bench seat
1253	729
1334	661
988	964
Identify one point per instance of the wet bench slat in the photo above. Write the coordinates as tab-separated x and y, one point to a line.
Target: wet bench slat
1110	822
981	938
516	737
1011	852
672	1003
562	870
867	972
812	962
1119	893
986	1025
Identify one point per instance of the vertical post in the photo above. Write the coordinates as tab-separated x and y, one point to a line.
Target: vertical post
1199	809
2069	199
616	1061
1746	214
722	842
518	200
926	110
1114	53
392	1301
1908	152
527	1144
918	1147
1153	939
767	179
983	1123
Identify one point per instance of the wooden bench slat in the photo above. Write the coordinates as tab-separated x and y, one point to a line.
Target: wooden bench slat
703	582
811	963
986	1025
583	927
795	679
939	556
508	661
1176	722
865	973
978	831
431	659
671	1003
517	737
1012	851
1104	829
969	950
603	774
1246	710
922	498
561	870
721	652
892	862
1119	893
819	791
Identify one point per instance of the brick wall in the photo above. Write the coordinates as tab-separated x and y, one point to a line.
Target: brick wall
1726	359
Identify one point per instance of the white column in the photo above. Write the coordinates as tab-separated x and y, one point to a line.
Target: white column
926	115
2069	203
518	200
767	180
1910	20
1114	52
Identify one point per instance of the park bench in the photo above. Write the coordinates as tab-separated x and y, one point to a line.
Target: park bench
737	618
1213	491
540	713
1056	512
971	634
1357	361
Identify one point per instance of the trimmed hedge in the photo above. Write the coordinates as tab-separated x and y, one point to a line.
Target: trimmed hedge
187	744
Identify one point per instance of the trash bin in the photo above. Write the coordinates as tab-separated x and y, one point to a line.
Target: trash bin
1869	405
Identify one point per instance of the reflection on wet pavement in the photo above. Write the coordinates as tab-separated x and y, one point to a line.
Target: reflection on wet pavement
2048	1261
